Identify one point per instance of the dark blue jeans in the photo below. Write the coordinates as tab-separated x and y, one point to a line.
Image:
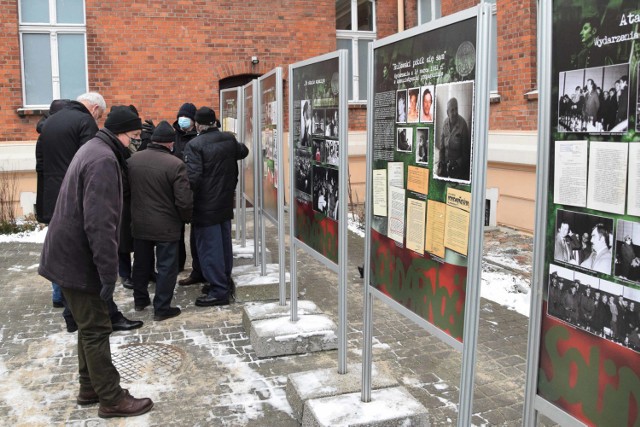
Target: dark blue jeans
216	257
167	265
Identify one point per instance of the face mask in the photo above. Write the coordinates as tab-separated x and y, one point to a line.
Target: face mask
184	122
135	142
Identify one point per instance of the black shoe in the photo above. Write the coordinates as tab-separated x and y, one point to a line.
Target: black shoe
207	301
205	289
189	281
361	271
57	304
168	314
127	283
140	307
125	324
72	326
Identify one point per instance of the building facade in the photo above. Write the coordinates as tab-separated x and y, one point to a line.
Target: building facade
158	54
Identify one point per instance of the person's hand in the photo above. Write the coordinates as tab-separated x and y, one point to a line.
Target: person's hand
148	126
106	293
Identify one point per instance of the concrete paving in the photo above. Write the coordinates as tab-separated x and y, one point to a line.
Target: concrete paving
200	368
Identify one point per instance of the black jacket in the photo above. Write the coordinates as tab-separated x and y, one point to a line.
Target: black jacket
80	250
62	135
212	164
182	139
161	199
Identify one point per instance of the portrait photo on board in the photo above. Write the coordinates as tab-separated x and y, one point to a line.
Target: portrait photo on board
303	174
404	140
594	100
584	240
325	191
318	151
332	150
422	145
318	121
401	106
413	109
331	123
426	109
453	142
627	250
305	123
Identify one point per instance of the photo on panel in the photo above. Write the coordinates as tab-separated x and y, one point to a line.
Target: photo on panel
627	251
325	189
422	150
584	240
332	150
331	123
318	150
401	106
305	123
559	281
404	140
426	110
413	113
303	174
318	121
594	100
453	142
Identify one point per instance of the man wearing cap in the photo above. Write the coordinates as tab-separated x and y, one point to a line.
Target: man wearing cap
212	164
80	253
161	201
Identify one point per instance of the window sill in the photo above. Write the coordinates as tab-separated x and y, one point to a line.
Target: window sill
531	96
24	112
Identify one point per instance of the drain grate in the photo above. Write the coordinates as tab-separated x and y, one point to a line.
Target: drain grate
149	361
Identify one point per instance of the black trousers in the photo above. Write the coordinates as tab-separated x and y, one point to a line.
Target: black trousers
167	265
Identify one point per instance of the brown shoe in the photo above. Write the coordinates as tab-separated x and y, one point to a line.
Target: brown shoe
87	397
188	281
128	406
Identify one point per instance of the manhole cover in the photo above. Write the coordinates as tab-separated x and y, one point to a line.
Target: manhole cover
136	361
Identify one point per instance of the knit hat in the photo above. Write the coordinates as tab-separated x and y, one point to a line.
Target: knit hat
57	105
206	116
187	110
122	119
163	132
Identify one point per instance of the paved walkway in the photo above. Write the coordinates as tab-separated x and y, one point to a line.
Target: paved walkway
200	368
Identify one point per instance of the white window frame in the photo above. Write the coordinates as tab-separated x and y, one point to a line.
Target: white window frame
53	29
433	11
355	37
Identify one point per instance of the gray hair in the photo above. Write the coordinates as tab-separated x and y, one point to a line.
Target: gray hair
93	98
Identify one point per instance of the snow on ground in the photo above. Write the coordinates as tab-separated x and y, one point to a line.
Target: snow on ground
36	236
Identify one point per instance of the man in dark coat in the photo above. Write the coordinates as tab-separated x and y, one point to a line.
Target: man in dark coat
161	202
61	137
80	253
212	164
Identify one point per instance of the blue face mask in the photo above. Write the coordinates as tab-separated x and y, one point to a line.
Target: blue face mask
184	122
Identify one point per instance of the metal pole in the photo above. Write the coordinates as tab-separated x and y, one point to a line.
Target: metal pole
282	262
343	244
476	226
293	255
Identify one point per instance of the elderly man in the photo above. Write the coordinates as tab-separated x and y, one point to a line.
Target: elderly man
600	259
80	253
62	136
212	164
161	201
454	148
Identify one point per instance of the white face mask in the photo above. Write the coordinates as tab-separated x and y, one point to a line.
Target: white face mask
184	122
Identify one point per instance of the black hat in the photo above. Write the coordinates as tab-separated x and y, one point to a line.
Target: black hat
187	110
57	105
206	116
163	132
122	119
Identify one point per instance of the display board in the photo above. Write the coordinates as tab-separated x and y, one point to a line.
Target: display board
270	87
585	325
315	151
248	134
229	110
422	149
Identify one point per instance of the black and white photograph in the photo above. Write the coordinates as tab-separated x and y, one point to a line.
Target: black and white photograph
318	121
318	150
600	307
331	123
453	141
325	191
594	100
404	139
401	106
627	250
427	95
332	150
305	123
584	240
303	174
422	147
413	108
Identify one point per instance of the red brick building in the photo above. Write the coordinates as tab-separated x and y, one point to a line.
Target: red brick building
158	54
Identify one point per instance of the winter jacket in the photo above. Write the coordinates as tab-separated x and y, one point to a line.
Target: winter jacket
161	199
212	164
62	135
81	247
182	139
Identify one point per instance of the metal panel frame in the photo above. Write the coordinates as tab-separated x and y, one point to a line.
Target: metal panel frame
341	267
245	197
239	219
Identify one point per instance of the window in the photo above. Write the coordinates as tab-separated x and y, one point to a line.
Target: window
53	47
428	10
355	28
